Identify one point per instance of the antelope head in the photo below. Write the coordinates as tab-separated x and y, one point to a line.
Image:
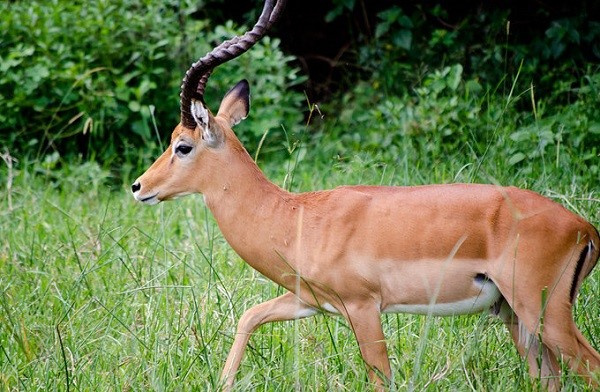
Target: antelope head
201	135
192	149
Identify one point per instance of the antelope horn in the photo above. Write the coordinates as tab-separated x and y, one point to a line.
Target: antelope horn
197	75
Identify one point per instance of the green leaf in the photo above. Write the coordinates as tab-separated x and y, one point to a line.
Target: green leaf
403	39
134	106
516	158
381	29
455	76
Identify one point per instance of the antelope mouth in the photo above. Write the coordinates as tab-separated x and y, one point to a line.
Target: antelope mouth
151	200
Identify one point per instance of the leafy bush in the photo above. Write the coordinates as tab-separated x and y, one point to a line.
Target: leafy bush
449	119
436	116
546	133
92	78
405	42
470	91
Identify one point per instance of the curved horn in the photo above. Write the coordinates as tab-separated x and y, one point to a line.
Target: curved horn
197	75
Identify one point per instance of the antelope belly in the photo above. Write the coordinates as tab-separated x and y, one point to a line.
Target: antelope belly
485	298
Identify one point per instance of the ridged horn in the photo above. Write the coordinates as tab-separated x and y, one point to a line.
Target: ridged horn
197	75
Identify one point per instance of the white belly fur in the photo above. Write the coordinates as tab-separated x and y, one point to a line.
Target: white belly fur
488	295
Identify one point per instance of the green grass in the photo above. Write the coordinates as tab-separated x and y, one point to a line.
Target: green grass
101	293
98	292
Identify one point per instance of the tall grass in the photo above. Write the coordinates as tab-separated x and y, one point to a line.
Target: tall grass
100	293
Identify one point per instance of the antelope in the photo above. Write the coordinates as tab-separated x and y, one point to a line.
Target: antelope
360	251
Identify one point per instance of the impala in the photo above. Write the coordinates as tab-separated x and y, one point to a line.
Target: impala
360	251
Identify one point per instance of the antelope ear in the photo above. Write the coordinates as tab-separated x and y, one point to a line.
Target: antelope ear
236	103
211	133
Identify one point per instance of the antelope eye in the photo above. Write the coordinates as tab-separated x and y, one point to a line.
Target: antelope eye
183	149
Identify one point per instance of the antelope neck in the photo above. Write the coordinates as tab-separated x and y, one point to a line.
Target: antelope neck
256	217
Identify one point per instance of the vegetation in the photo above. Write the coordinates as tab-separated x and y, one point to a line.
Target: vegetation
99	88
101	293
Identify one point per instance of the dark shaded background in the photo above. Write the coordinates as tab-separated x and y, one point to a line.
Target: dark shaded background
326	50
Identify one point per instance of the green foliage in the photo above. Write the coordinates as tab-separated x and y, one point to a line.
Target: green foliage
450	118
406	46
438	116
339	7
511	112
397	25
408	41
96	78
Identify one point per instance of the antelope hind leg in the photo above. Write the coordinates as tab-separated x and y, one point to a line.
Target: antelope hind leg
541	360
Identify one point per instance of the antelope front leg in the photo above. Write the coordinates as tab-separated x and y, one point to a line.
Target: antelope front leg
284	307
365	321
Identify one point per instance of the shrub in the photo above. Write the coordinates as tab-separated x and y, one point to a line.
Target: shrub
471	92
91	79
450	120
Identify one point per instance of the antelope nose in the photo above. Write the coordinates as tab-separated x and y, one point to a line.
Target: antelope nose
136	187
